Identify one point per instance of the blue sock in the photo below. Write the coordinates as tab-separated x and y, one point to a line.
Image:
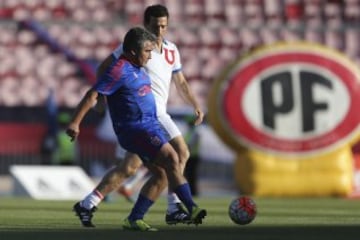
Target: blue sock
141	206
184	193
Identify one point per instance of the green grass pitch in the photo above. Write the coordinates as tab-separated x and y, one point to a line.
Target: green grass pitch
277	218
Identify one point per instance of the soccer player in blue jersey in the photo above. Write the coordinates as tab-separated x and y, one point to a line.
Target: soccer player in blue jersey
164	68
132	107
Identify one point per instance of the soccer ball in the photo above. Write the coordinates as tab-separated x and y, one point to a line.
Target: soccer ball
242	210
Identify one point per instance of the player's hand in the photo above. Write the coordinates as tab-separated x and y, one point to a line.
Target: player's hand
72	131
199	116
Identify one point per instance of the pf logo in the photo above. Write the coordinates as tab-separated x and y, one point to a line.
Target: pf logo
297	98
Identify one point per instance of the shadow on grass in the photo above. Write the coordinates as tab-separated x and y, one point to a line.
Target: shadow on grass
228	233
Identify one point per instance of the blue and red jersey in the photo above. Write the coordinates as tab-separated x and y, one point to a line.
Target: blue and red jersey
132	107
128	91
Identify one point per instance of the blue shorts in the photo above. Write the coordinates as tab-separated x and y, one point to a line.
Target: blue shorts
145	140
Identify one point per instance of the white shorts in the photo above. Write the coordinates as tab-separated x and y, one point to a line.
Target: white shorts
169	126
167	123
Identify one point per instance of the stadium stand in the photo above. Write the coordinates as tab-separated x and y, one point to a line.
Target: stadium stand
201	28
209	33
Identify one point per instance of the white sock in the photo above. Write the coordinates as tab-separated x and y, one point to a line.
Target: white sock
92	200
172	201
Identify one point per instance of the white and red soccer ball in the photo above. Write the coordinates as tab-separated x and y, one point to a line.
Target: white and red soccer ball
242	210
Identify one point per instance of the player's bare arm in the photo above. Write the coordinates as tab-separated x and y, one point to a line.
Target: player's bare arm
100	104
84	106
186	93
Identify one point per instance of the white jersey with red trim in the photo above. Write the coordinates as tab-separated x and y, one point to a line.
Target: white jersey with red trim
160	67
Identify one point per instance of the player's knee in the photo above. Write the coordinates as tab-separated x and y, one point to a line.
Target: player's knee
184	154
173	162
169	160
128	170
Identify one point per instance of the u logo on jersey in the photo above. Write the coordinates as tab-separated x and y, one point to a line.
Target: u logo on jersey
169	56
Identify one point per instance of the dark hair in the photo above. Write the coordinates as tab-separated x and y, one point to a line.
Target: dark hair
155	11
135	38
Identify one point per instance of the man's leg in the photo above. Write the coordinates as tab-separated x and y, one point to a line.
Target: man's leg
169	160
148	195
111	181
130	185
175	211
191	174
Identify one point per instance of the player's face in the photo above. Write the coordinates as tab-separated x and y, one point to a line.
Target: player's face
158	26
145	53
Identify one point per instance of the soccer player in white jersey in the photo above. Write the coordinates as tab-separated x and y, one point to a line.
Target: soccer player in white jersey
164	67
